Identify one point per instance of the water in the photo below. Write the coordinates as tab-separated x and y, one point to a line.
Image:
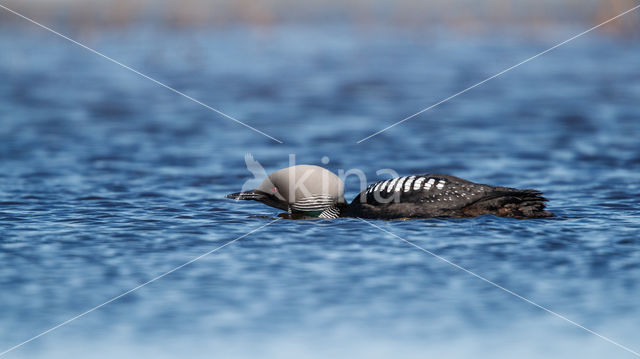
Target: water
108	180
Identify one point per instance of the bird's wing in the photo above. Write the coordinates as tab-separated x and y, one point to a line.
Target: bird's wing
436	190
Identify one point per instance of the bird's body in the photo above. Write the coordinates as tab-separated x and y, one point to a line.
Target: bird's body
433	195
312	191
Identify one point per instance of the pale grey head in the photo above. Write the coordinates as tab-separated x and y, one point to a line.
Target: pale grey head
306	189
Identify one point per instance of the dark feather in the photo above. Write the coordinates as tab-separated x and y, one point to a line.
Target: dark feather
456	197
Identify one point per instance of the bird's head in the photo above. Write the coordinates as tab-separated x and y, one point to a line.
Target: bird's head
303	189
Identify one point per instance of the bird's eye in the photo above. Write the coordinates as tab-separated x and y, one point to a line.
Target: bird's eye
274	189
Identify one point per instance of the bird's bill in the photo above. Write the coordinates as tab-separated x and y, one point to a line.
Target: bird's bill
252	195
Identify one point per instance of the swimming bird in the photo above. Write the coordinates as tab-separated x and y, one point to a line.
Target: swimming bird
312	191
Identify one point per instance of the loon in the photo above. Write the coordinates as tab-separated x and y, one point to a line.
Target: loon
312	191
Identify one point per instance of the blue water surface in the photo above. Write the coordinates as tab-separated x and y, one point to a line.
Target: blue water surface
108	180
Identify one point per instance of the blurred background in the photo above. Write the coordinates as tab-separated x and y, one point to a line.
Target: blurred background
108	179
461	15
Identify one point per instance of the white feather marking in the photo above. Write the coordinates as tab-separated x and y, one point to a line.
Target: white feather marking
418	183
429	183
330	213
408	183
393	182
401	180
384	185
377	186
312	203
